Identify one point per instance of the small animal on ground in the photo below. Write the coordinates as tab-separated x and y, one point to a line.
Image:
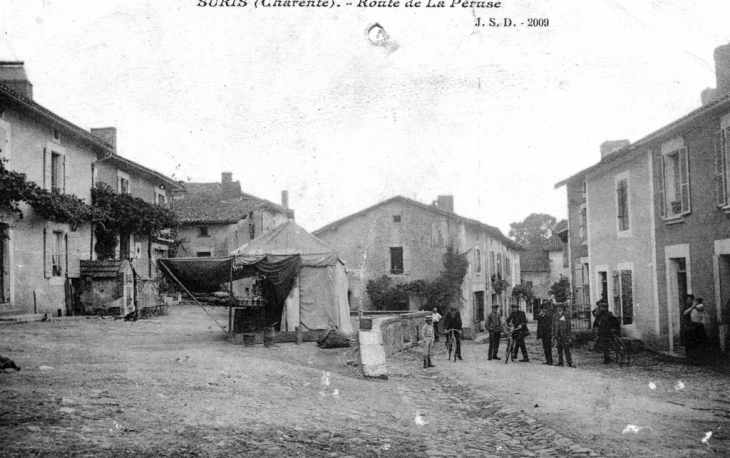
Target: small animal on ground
7	363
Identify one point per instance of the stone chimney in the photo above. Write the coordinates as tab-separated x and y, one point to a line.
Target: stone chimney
722	70
230	190
13	76
107	135
722	76
285	199
611	146
445	203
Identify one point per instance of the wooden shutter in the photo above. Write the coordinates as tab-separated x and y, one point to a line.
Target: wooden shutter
47	168
720	189
64	167
406	259
684	179
662	185
3	143
47	253
73	254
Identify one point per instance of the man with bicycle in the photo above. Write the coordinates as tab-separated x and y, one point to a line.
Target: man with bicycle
518	320
606	327
453	326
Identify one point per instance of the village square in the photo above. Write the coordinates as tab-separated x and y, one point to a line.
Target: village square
154	304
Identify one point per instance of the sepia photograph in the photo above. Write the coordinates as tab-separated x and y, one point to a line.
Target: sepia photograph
364	228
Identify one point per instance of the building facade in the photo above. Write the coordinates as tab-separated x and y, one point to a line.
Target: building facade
406	240
217	218
650	224
41	257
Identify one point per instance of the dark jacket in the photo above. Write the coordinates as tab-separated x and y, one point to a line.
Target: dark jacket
456	321
494	322
561	327
446	321
544	324
606	324
519	319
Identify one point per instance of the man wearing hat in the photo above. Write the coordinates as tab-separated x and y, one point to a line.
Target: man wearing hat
561	334
545	331
518	319
427	340
494	327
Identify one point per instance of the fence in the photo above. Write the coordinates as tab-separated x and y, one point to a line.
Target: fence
580	316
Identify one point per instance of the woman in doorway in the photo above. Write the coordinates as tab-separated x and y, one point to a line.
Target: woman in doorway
697	320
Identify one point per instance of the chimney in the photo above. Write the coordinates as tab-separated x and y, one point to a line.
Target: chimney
285	199
611	146
445	203
722	70
107	135
230	190
708	95
13	76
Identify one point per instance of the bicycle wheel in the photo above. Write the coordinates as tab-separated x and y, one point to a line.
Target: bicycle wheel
620	352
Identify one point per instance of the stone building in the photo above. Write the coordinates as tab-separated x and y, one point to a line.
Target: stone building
406	240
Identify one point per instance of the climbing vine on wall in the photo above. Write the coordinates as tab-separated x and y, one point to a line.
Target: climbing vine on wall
51	205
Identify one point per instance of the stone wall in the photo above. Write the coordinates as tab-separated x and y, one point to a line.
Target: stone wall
384	336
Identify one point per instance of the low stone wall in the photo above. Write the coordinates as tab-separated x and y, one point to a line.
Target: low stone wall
384	336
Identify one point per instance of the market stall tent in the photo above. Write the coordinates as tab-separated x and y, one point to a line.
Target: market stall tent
317	298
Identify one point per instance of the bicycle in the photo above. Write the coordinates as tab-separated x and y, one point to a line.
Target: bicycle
450	338
622	350
510	343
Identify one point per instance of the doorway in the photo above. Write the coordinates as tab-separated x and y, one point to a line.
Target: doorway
479	309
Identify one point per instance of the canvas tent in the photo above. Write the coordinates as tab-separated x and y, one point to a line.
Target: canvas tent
317	298
305	276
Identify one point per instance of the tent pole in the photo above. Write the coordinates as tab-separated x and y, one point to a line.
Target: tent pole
190	294
231	299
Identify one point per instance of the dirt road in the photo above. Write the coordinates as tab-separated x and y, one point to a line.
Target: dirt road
173	386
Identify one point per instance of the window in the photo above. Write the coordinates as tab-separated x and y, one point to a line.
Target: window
439	233
251	226
4	139
674	196
622	202
56	253
722	149
396	260
507	268
492	263
57	135
203	231
623	295
499	265
56	172
478	262
583	225
603	277
203	254
123	183
396	218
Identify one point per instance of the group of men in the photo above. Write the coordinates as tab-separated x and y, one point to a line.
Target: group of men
553	328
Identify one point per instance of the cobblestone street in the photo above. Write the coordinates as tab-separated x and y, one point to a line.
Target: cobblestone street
173	386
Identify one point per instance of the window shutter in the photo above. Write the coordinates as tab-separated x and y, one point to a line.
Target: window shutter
47	168
3	143
662	184
47	253
406	260
720	187
684	179
73	254
65	176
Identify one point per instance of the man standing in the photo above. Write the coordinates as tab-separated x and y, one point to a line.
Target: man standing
427	339
518	319
545	332
494	327
456	325
436	318
447	324
605	327
561	332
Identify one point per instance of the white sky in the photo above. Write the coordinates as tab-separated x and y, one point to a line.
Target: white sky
299	99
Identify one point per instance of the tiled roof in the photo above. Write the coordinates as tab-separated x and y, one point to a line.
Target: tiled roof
100	269
491	230
207	203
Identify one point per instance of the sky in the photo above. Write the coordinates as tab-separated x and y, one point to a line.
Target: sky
316	102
